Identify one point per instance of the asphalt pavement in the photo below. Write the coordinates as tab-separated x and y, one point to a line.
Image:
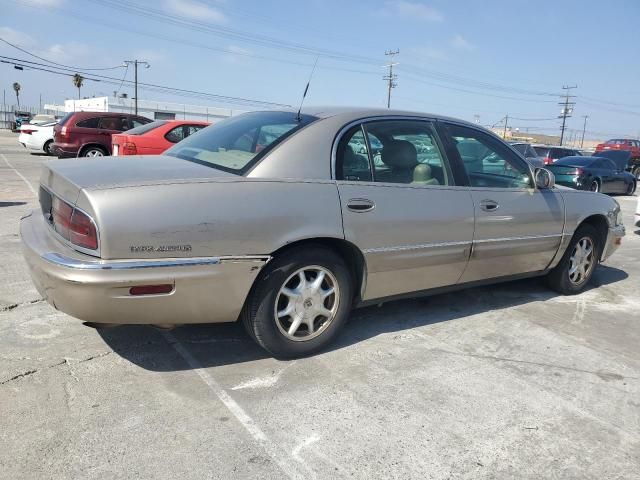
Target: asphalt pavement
508	381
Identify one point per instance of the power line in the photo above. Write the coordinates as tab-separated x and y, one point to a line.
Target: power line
145	86
50	61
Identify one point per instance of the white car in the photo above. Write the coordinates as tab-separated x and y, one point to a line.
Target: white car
43	119
37	138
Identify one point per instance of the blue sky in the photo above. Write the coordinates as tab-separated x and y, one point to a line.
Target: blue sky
460	58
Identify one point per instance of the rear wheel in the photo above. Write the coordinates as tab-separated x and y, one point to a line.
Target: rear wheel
579	261
47	147
93	152
595	186
299	303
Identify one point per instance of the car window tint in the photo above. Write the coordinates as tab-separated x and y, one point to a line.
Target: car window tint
175	135
541	151
352	158
406	151
89	123
119	124
191	129
487	161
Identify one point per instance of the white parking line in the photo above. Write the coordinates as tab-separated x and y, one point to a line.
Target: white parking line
245	420
19	174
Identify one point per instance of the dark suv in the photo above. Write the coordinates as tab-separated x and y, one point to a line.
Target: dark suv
88	134
550	154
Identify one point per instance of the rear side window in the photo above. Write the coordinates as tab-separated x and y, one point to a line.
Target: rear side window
89	123
65	119
175	135
542	151
119	124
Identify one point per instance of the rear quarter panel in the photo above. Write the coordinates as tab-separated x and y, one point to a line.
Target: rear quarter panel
214	218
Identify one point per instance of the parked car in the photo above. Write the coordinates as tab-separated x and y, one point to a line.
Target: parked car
593	173
42	119
529	153
630	145
550	154
289	235
155	137
20	118
37	138
624	159
88	134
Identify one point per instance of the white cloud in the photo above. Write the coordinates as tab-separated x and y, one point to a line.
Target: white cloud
17	38
194	10
46	3
415	10
461	43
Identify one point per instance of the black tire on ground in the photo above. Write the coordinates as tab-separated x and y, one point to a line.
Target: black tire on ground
47	147
259	315
636	172
559	279
631	189
594	186
93	151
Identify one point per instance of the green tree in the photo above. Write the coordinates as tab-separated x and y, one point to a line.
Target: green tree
77	82
16	88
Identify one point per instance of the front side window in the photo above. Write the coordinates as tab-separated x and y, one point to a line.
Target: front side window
393	151
236	144
487	161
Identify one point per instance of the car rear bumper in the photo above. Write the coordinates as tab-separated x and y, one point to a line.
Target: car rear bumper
205	290
614	239
64	150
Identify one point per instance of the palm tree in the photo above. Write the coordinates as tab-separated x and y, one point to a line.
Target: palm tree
16	87
77	81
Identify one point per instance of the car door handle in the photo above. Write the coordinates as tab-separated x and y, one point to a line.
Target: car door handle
489	205
360	205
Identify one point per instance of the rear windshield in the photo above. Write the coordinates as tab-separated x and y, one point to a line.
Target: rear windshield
65	119
541	151
238	143
615	142
146	128
575	161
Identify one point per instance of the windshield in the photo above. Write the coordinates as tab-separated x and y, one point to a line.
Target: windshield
237	143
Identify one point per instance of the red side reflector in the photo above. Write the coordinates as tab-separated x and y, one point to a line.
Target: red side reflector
151	289
618	241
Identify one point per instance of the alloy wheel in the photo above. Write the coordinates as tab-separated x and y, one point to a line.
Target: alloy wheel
307	303
94	153
581	261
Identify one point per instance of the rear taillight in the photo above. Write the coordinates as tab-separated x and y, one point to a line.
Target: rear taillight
73	225
548	160
129	148
64	132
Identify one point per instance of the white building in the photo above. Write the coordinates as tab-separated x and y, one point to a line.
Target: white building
155	110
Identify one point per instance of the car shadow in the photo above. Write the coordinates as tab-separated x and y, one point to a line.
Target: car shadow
11	204
223	344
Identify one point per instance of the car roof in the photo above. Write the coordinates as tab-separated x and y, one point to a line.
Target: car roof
103	114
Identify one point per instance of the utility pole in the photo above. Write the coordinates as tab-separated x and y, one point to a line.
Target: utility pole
391	77
584	129
506	121
567	109
135	65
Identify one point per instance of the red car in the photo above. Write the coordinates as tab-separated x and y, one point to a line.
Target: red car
628	144
88	134
155	137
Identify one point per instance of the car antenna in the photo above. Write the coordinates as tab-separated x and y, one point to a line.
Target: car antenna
306	89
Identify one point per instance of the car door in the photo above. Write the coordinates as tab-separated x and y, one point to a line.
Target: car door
402	208
617	175
606	171
518	228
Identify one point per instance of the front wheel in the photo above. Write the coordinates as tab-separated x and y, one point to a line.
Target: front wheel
631	188
579	261
299	303
595	186
636	172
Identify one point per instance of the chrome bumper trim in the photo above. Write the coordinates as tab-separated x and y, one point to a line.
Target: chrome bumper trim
64	261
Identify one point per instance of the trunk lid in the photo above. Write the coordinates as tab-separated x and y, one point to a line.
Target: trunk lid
67	177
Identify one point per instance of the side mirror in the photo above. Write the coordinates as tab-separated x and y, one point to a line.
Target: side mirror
544	178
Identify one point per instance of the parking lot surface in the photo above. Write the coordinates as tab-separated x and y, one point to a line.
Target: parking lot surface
508	381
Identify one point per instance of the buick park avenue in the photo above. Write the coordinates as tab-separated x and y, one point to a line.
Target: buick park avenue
287	221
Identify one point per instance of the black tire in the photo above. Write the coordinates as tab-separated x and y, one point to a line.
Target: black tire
559	279
93	151
631	189
259	313
594	186
636	172
47	147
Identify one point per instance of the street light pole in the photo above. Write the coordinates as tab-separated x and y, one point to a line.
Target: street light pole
584	129
135	67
